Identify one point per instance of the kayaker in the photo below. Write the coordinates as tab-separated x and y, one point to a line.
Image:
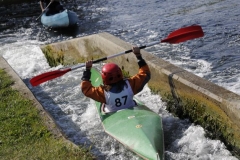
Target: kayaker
116	92
53	8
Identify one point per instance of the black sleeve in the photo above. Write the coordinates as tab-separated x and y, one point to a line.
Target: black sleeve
86	75
141	61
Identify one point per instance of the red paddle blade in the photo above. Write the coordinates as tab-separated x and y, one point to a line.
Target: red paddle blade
184	34
48	76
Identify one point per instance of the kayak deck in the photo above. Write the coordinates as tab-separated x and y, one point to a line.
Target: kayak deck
137	128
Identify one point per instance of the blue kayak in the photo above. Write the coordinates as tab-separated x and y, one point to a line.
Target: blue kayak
63	19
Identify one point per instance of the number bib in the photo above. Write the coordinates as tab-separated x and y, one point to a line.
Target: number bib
122	100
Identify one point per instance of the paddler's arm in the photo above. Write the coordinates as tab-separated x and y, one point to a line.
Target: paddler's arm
139	80
41	5
96	93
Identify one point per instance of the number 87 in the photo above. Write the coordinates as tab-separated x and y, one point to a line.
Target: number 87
118	101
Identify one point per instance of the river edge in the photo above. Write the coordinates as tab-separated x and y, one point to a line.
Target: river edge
48	121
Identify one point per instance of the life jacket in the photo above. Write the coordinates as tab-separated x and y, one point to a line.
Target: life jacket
118	101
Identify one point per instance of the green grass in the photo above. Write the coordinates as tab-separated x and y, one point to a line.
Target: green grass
23	134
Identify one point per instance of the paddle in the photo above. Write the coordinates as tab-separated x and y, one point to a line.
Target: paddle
177	36
43	11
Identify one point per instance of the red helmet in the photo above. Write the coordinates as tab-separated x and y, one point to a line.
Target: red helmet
111	73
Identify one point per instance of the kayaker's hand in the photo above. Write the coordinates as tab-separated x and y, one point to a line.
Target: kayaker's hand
136	51
88	65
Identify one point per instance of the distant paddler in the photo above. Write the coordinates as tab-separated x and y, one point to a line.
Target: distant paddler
51	7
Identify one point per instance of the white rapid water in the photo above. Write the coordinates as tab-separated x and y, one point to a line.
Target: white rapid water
77	117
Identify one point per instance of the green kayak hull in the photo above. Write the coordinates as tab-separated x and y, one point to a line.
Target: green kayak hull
138	128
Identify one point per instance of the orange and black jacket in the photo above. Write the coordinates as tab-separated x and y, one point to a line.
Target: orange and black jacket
137	82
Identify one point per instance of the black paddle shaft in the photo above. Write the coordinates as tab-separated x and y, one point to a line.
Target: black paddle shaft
128	51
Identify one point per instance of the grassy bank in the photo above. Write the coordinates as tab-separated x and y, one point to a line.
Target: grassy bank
23	134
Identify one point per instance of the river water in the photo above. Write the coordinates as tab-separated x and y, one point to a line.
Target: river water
214	57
